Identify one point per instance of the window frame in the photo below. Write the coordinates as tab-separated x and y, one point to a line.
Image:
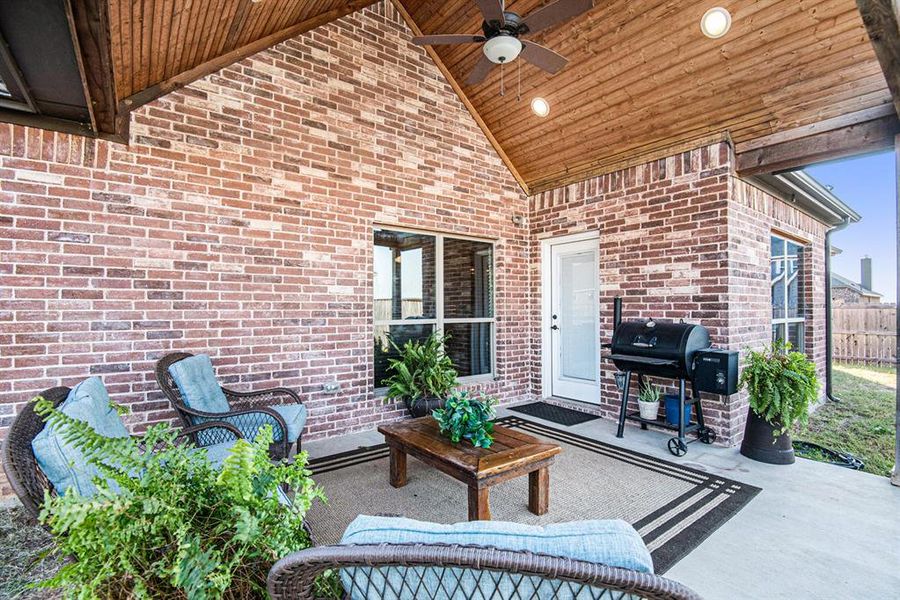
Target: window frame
439	320
787	321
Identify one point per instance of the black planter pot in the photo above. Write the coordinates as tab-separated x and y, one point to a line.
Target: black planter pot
424	406
761	444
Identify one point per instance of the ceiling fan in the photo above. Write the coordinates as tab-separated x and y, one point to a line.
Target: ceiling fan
503	31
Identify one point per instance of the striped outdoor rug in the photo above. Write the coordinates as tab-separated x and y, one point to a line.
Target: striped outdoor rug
673	507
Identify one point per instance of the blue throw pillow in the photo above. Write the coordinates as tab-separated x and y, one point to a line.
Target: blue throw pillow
198	385
614	543
64	464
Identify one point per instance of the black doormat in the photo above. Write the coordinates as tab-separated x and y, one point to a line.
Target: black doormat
550	412
672	506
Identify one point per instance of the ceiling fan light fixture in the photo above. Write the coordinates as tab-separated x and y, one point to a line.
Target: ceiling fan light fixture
540	107
502	49
715	22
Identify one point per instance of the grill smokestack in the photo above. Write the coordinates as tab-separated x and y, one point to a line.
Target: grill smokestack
617	312
865	272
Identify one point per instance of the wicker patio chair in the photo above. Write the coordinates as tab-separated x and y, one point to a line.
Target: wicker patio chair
21	467
431	571
250	409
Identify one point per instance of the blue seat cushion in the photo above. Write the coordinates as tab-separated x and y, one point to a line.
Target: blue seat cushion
216	453
294	416
198	385
611	542
62	462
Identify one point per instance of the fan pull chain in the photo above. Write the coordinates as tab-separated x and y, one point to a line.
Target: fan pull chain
501	80
519	84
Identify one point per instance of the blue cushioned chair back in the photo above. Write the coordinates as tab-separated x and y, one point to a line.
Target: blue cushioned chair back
198	385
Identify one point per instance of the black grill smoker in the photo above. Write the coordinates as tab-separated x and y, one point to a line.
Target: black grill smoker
679	351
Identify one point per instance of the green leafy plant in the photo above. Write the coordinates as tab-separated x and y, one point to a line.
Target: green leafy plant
467	417
649	393
165	524
423	370
782	385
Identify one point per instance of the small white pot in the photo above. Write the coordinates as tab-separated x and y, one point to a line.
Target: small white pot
649	410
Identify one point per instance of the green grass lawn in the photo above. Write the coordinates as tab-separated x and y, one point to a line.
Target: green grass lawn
863	422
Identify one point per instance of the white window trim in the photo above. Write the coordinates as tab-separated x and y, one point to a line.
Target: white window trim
786	300
440	321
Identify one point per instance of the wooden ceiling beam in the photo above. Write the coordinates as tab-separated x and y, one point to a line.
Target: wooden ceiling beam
883	24
90	20
625	160
211	66
784	151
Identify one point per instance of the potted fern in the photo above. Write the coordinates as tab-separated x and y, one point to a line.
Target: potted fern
782	385
423	375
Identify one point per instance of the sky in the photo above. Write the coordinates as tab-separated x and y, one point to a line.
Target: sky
868	185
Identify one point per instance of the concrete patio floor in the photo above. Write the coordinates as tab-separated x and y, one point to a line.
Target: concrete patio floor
815	531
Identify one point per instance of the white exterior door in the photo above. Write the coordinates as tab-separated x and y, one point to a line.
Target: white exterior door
574	361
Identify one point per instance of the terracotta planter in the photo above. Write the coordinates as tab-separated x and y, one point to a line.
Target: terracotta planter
424	406
762	445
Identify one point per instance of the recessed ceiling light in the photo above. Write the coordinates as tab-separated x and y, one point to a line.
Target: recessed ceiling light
540	107
715	22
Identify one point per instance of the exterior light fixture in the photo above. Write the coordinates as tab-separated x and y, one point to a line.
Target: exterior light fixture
715	22
540	107
502	49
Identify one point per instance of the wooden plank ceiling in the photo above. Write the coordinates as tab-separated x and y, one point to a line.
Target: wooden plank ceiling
642	77
158	45
642	80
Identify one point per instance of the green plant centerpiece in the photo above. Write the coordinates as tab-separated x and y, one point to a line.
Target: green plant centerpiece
782	386
423	375
165	523
467	417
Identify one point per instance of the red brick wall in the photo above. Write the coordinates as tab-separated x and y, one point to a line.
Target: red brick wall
753	215
684	238
663	242
239	222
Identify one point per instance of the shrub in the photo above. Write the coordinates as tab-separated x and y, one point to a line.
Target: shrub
423	371
165	524
782	385
467	417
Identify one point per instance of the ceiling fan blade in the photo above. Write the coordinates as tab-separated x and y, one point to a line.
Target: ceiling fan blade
439	40
543	58
491	10
556	13
481	70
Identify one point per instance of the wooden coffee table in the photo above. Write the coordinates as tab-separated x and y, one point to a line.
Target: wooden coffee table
512	455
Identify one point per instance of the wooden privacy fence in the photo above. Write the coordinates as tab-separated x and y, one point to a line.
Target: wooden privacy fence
865	333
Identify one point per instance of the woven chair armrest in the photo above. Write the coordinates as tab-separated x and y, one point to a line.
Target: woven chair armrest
262	397
293	577
209	425
227	432
262	410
